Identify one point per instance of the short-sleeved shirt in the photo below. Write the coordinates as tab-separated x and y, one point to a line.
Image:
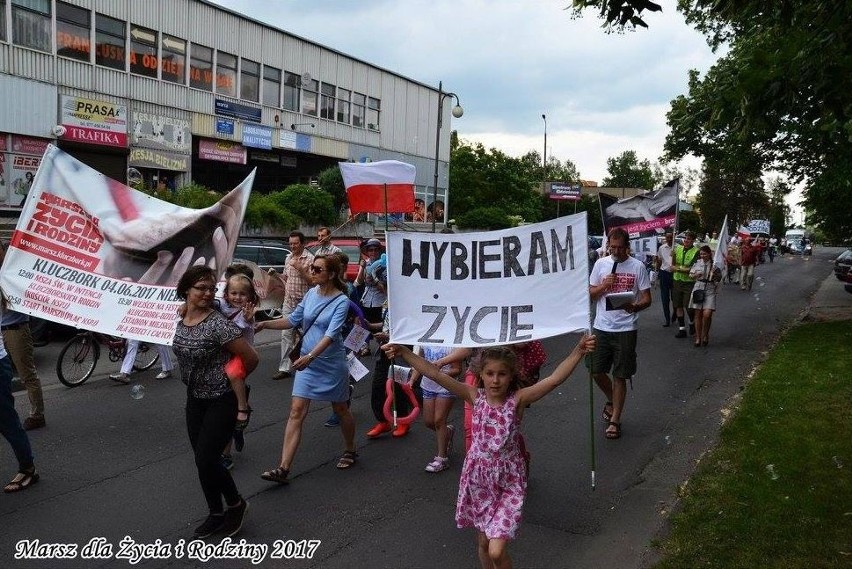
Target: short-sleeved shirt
631	276
202	357
295	284
664	252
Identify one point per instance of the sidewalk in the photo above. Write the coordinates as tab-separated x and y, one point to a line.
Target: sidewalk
831	302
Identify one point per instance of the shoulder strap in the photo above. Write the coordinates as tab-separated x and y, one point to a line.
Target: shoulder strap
324	306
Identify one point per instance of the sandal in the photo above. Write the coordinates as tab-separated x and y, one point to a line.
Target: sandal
278	475
22	480
615	433
241	425
347	460
607	414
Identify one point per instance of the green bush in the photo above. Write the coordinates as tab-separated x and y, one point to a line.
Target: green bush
331	182
484	218
262	211
312	205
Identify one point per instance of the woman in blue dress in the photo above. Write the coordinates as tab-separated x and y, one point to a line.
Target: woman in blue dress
321	370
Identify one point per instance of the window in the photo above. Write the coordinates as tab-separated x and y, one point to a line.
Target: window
201	67
327	101
373	110
31	23
291	91
309	98
143	51
358	109
73	25
250	81
2	20
226	74
343	105
271	86
110	42
173	63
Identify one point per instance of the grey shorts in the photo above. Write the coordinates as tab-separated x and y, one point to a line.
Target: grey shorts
616	351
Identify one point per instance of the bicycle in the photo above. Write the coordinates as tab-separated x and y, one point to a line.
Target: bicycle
79	356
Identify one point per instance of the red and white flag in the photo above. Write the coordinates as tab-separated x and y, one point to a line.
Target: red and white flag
368	183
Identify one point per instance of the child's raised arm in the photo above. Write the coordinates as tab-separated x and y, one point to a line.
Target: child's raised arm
427	368
535	392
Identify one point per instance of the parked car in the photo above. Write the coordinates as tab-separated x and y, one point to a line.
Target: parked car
265	253
842	264
352	248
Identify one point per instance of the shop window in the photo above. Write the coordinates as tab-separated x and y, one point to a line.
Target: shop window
226	74
290	91
73	31
327	93
173	63
143	51
201	67
31	23
250	81
359	103
343	105
110	42
373	111
271	86
309	98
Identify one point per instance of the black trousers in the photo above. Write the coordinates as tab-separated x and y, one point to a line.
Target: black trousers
210	425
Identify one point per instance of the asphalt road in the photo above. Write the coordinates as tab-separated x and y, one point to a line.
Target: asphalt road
113	466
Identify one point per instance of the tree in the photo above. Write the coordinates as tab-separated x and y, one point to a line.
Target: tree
619	14
312	205
779	211
331	181
627	171
732	188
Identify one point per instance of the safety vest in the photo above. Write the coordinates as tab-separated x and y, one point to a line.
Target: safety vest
686	259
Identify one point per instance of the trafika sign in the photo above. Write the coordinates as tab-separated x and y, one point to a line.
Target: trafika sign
93	122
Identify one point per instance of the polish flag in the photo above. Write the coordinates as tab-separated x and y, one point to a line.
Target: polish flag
367	183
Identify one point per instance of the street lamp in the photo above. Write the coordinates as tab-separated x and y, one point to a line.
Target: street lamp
544	155
457	112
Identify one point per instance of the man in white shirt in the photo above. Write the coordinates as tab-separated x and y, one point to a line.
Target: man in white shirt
326	247
664	270
615	326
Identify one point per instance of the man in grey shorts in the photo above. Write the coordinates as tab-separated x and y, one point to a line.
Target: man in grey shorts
615	324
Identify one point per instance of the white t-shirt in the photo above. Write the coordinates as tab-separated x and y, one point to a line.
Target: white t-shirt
632	276
664	252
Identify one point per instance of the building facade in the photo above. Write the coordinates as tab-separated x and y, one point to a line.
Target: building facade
164	92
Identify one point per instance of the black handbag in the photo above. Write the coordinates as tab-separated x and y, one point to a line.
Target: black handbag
698	296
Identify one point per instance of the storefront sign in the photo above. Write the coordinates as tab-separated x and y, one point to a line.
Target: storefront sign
222	151
263	156
17	173
237	111
29	145
257	136
149	158
93	122
562	191
165	133
294	140
225	126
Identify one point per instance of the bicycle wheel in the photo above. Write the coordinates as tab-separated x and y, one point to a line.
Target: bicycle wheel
77	360
146	356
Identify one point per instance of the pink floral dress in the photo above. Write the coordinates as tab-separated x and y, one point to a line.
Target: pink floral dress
493	481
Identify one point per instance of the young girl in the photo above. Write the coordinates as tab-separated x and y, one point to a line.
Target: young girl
493	481
237	304
437	404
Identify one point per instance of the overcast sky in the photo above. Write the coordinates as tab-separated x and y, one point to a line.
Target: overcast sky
512	61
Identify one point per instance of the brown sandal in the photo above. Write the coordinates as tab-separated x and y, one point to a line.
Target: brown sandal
347	460
22	480
614	434
278	475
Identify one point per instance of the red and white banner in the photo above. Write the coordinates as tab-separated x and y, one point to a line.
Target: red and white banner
378	187
95	254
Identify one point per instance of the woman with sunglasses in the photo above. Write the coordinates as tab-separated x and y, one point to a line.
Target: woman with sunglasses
321	370
204	342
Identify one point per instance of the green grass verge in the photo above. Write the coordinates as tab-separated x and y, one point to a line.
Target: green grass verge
777	491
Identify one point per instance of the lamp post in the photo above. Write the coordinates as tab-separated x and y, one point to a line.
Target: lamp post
544	155
457	112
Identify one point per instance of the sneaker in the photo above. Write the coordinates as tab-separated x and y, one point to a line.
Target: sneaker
401	430
282	375
239	440
164	374
438	464
332	421
120	377
211	525
681	333
227	461
234	518
31	423
378	429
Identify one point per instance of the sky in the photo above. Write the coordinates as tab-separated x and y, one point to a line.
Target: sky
509	62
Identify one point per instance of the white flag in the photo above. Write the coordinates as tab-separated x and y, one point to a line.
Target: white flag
720	258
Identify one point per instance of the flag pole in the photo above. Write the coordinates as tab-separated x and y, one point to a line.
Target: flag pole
591	380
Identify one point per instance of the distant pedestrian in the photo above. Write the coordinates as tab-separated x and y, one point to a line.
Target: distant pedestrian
664	270
493	482
166	366
326	247
683	257
297	281
748	260
706	276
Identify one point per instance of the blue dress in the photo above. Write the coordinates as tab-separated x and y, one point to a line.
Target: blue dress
327	376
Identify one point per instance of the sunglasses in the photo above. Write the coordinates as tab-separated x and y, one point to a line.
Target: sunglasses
316	270
203	289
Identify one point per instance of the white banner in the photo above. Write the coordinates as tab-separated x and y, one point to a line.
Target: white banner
490	288
759	226
92	253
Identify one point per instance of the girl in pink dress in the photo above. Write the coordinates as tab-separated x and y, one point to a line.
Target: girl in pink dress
494	481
